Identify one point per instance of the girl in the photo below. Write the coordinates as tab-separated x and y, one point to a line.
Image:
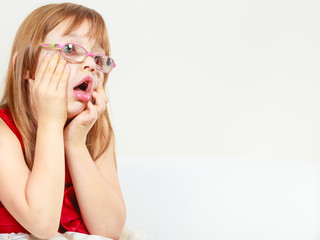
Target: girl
57	163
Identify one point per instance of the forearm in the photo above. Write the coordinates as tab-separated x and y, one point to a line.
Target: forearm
101	206
45	186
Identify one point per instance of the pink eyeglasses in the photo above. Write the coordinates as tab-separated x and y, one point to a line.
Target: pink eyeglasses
78	54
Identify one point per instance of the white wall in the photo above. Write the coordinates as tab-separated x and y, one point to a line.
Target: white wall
220	198
211	80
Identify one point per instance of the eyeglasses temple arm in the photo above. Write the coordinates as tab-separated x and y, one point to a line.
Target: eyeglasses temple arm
50	45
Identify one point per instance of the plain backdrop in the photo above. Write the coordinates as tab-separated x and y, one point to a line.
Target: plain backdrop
216	110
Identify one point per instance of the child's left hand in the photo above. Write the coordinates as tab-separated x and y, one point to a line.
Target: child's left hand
77	130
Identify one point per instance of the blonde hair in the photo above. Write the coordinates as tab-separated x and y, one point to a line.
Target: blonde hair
31	33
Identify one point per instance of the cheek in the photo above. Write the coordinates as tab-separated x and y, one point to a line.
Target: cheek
100	77
72	77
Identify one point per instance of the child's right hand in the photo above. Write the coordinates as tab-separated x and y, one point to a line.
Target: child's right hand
48	92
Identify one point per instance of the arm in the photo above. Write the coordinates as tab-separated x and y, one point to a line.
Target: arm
98	191
34	198
96	182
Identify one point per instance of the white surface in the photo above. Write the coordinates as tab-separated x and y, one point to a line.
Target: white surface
221	199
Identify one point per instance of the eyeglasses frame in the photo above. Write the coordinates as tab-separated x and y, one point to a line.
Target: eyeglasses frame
57	45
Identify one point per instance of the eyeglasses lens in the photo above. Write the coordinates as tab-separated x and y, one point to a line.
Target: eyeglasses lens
78	54
74	52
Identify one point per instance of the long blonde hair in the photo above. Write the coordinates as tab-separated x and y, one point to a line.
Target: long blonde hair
31	33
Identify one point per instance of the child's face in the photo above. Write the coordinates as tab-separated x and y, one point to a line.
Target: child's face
79	71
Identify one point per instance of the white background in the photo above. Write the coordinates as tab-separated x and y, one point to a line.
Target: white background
216	110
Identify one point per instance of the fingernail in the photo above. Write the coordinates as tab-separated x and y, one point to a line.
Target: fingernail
100	83
49	55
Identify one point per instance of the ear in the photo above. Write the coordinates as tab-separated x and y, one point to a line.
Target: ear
26	75
14	58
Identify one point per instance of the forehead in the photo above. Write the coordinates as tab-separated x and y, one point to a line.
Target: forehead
79	35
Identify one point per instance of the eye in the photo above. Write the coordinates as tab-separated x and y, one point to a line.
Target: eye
99	60
109	62
69	49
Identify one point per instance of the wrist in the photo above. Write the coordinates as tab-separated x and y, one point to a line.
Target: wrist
75	135
52	125
74	140
74	147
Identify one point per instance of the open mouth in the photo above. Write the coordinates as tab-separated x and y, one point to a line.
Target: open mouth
83	91
82	87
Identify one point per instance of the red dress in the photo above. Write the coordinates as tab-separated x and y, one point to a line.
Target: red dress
70	220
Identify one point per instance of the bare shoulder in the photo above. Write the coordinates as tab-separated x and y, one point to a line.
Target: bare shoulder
7	137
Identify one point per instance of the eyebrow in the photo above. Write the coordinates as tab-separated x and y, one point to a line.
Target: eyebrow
78	41
73	35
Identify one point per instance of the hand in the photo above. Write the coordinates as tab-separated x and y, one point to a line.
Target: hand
48	91
77	130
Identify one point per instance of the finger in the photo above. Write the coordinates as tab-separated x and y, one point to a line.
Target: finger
90	106
42	68
63	82
100	102
92	111
101	91
58	73
51	67
98	97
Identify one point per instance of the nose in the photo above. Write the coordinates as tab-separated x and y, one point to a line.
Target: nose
89	64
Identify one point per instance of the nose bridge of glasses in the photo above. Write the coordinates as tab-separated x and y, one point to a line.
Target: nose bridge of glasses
90	54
